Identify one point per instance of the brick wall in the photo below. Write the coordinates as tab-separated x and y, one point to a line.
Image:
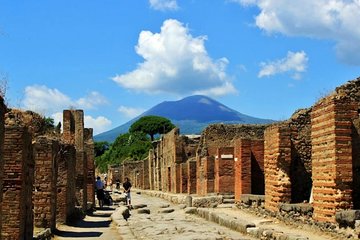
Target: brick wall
73	133
146	176
90	164
66	183
191	170
332	170
277	159
184	174
17	215
2	130
257	167
224	170
44	195
249	167
242	167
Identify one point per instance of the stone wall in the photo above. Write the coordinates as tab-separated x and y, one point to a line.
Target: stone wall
66	188
2	131
17	215
45	191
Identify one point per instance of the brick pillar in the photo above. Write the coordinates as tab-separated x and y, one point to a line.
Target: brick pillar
199	176
177	177
242	167
192	178
332	173
257	167
277	161
44	199
209	175
17	215
2	130
73	133
90	163
184	178
146	176
66	183
224	170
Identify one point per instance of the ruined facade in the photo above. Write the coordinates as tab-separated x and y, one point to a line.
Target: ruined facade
73	133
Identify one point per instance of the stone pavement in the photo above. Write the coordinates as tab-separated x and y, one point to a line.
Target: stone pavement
155	218
259	227
96	226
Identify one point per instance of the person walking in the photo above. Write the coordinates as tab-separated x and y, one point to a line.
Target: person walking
127	188
99	185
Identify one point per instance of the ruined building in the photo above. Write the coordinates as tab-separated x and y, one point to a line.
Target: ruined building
312	159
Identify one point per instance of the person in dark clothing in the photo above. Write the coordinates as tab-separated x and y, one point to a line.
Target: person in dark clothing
127	187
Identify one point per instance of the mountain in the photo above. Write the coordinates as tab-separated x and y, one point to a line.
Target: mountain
191	114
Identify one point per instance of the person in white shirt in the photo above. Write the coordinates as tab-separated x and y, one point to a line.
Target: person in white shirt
99	185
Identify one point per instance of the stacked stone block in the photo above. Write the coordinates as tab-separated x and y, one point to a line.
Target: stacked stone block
277	160
17	215
2	131
90	165
66	188
46	152
224	171
332	170
73	133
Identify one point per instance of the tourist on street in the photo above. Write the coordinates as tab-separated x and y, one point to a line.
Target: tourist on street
99	185
127	187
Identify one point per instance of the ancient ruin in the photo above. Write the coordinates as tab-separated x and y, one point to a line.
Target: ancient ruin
306	167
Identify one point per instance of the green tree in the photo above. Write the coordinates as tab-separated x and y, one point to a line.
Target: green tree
128	146
152	125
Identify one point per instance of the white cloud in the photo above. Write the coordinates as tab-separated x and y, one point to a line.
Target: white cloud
91	101
130	112
323	19
51	102
46	101
294	63
99	124
163	5
176	62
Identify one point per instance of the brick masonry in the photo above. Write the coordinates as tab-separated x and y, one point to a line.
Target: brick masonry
332	157
73	133
90	164
2	131
45	192
277	160
191	170
66	188
224	171
17	215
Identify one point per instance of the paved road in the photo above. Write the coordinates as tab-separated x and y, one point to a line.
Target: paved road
174	225
97	226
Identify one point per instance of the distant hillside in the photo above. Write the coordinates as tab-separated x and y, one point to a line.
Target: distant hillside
191	114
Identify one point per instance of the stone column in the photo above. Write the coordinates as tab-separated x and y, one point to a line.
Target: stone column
90	162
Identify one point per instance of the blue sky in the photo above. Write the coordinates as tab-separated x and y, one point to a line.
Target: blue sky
118	58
